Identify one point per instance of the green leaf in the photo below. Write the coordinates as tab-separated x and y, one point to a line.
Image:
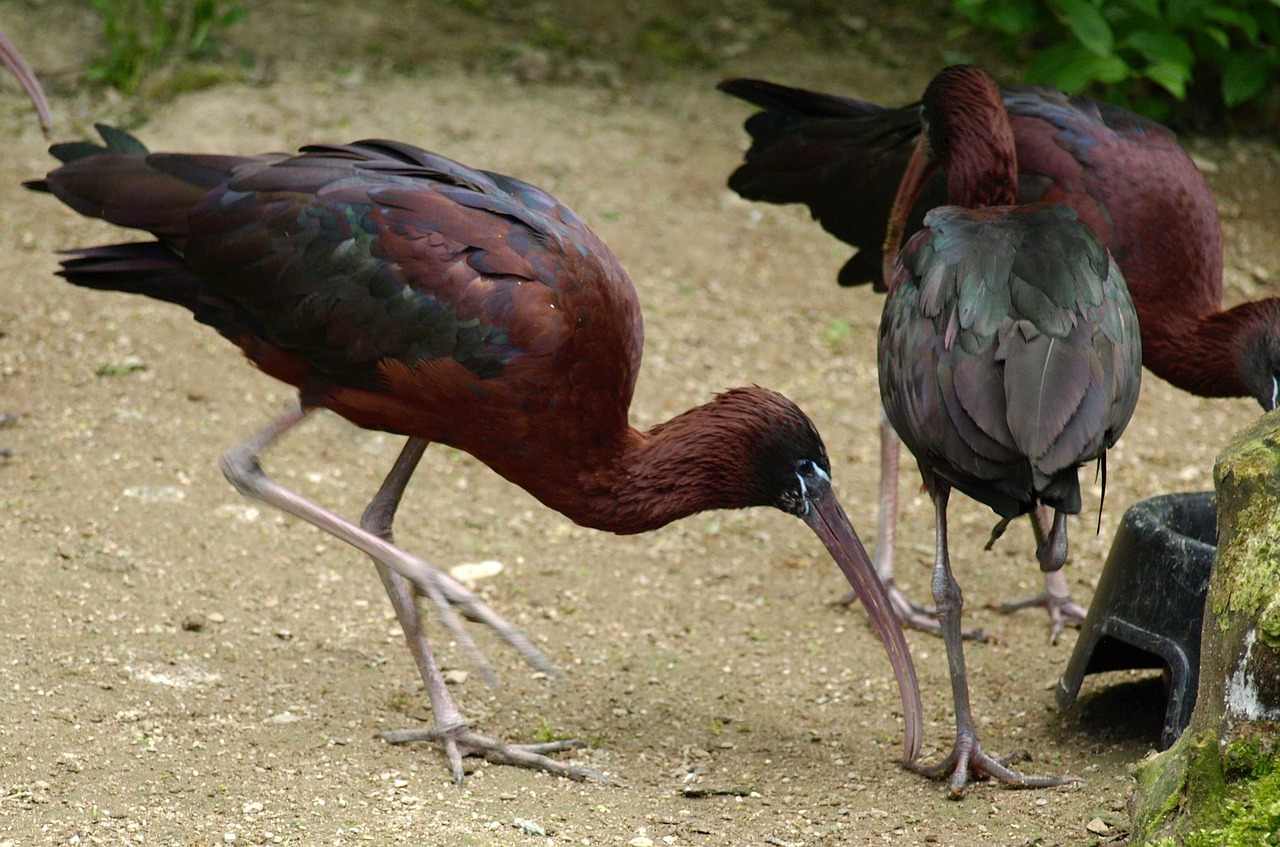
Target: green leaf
1172	78
1237	18
1269	21
1010	17
1182	14
1088	25
1073	68
1163	47
1150	8
1218	36
1244	76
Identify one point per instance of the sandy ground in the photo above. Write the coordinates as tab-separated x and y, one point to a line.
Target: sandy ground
179	666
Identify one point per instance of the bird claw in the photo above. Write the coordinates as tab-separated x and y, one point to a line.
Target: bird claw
1062	610
914	616
968	762
460	741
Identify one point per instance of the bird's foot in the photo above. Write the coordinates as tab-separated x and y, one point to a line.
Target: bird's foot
968	762
460	741
914	616
1062	610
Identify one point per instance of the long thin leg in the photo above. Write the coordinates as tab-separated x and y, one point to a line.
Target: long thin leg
967	759
27	79
243	470
910	613
450	729
887	519
1051	551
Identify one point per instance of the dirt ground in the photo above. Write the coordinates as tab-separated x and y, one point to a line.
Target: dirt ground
179	666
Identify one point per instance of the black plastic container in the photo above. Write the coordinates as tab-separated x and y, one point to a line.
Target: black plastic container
1149	605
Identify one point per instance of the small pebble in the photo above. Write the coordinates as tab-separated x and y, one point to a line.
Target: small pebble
471	572
1097	826
529	827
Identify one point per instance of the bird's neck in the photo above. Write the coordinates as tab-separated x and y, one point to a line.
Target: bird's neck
983	171
697	461
1205	355
981	154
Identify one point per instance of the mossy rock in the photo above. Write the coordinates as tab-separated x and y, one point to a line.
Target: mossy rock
1219	785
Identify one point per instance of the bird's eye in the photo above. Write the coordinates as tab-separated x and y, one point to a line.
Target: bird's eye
811	469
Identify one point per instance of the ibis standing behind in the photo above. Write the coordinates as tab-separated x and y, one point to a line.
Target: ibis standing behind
1009	354
415	295
1126	176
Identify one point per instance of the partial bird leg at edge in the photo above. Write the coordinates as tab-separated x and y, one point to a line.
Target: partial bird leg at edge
967	760
241	467
909	612
1051	551
450	731
7	418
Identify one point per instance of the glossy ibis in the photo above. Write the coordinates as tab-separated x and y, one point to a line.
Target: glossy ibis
1009	353
1124	175
415	295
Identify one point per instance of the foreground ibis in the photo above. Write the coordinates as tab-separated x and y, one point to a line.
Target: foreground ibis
1009	354
415	295
1124	175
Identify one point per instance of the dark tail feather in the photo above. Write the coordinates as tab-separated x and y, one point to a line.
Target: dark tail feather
120	182
841	157
147	268
118	142
797	102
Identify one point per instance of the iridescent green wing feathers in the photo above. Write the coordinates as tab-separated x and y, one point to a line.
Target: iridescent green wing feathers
343	257
1028	334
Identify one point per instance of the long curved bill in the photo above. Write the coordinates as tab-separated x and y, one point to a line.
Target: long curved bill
828	521
920	168
27	79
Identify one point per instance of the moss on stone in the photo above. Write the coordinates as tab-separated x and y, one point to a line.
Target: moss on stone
1252	755
1252	566
1269	623
1219	785
1251	816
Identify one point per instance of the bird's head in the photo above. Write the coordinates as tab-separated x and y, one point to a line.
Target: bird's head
788	460
1260	352
790	471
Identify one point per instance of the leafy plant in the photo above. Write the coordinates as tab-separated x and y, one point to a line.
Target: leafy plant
143	35
1146	52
